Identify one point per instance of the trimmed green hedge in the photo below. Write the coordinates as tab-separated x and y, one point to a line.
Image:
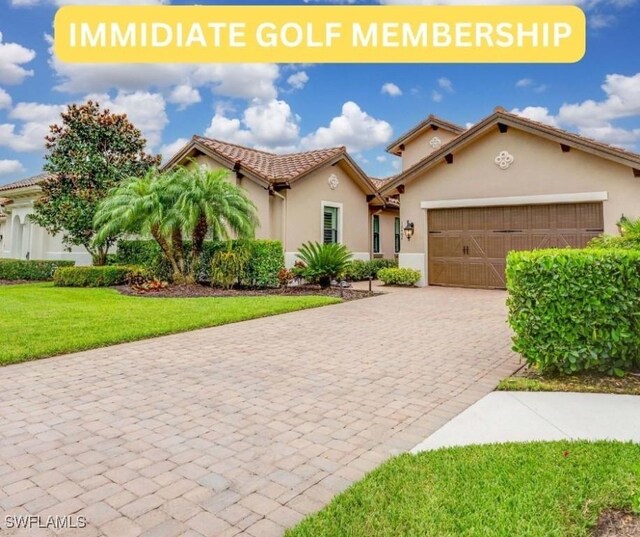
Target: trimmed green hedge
399	276
359	270
266	258
21	269
629	241
576	310
105	276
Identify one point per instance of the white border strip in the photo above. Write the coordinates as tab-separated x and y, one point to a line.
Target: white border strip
580	197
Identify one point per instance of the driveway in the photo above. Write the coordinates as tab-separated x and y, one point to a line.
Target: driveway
243	428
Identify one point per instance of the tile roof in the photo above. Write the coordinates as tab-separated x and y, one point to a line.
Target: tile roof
270	166
379	182
430	121
29	181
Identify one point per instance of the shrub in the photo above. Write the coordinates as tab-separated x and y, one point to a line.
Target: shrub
399	276
628	241
576	310
285	276
265	260
359	270
324	262
104	276
228	267
21	269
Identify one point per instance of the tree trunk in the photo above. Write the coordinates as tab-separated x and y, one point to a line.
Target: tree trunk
178	277
197	244
98	256
178	249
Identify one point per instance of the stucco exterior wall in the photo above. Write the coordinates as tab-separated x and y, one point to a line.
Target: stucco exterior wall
539	168
419	147
304	212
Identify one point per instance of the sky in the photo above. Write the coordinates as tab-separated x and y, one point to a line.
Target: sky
284	108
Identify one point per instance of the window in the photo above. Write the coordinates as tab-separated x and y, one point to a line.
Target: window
376	234
397	235
330	224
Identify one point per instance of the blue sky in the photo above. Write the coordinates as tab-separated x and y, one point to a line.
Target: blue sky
297	107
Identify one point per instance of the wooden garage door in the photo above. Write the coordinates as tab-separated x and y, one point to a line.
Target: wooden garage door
468	247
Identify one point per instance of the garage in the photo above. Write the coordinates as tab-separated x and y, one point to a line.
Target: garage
468	246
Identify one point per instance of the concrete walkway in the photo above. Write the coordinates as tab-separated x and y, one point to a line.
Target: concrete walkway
242	429
523	416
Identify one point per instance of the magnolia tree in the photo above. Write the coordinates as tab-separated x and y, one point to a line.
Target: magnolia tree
89	153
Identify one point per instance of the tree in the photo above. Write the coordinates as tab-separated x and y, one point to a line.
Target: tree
183	203
89	153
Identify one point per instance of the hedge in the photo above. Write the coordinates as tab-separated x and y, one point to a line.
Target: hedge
266	258
359	270
576	310
104	276
628	241
35	270
399	276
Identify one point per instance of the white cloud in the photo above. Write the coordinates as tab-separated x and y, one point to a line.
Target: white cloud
12	58
445	84
537	113
170	149
391	89
298	80
147	111
381	158
594	119
5	99
35	119
184	96
7	167
354	128
436	96
266	125
524	82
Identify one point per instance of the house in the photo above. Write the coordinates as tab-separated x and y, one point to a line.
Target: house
320	195
468	196
22	239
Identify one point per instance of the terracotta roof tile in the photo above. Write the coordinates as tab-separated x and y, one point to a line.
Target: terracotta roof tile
29	181
379	182
270	166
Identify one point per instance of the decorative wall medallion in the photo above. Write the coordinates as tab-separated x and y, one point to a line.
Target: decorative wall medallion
333	181
435	142
504	160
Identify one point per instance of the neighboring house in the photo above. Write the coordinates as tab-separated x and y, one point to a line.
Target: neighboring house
320	195
22	239
506	183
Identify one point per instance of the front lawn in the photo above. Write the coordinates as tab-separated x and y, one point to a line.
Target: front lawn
38	320
553	489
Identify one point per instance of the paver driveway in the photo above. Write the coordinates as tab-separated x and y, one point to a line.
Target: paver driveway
244	427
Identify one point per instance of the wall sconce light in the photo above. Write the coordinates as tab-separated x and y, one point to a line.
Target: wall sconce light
621	224
408	230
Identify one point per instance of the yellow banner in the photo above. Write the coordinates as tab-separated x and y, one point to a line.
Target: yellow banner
320	34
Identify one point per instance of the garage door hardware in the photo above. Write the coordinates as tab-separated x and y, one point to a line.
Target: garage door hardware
507	231
465	250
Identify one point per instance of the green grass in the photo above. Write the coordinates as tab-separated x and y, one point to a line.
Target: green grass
553	489
39	320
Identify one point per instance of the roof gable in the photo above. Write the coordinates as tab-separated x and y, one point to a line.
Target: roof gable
26	182
431	122
503	120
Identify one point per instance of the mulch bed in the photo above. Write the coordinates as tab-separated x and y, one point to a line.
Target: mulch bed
615	523
196	291
591	382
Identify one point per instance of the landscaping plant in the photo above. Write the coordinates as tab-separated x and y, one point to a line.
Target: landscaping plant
576	310
101	276
90	152
404	277
323	262
176	206
359	270
228	266
33	270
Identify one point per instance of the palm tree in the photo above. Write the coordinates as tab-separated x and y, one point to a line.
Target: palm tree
191	202
210	205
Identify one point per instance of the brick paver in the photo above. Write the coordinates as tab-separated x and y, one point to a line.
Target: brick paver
244	428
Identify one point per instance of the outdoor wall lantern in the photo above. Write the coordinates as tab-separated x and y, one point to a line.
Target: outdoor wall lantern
408	230
622	224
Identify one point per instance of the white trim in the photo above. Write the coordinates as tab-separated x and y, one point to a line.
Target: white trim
580	197
338	206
